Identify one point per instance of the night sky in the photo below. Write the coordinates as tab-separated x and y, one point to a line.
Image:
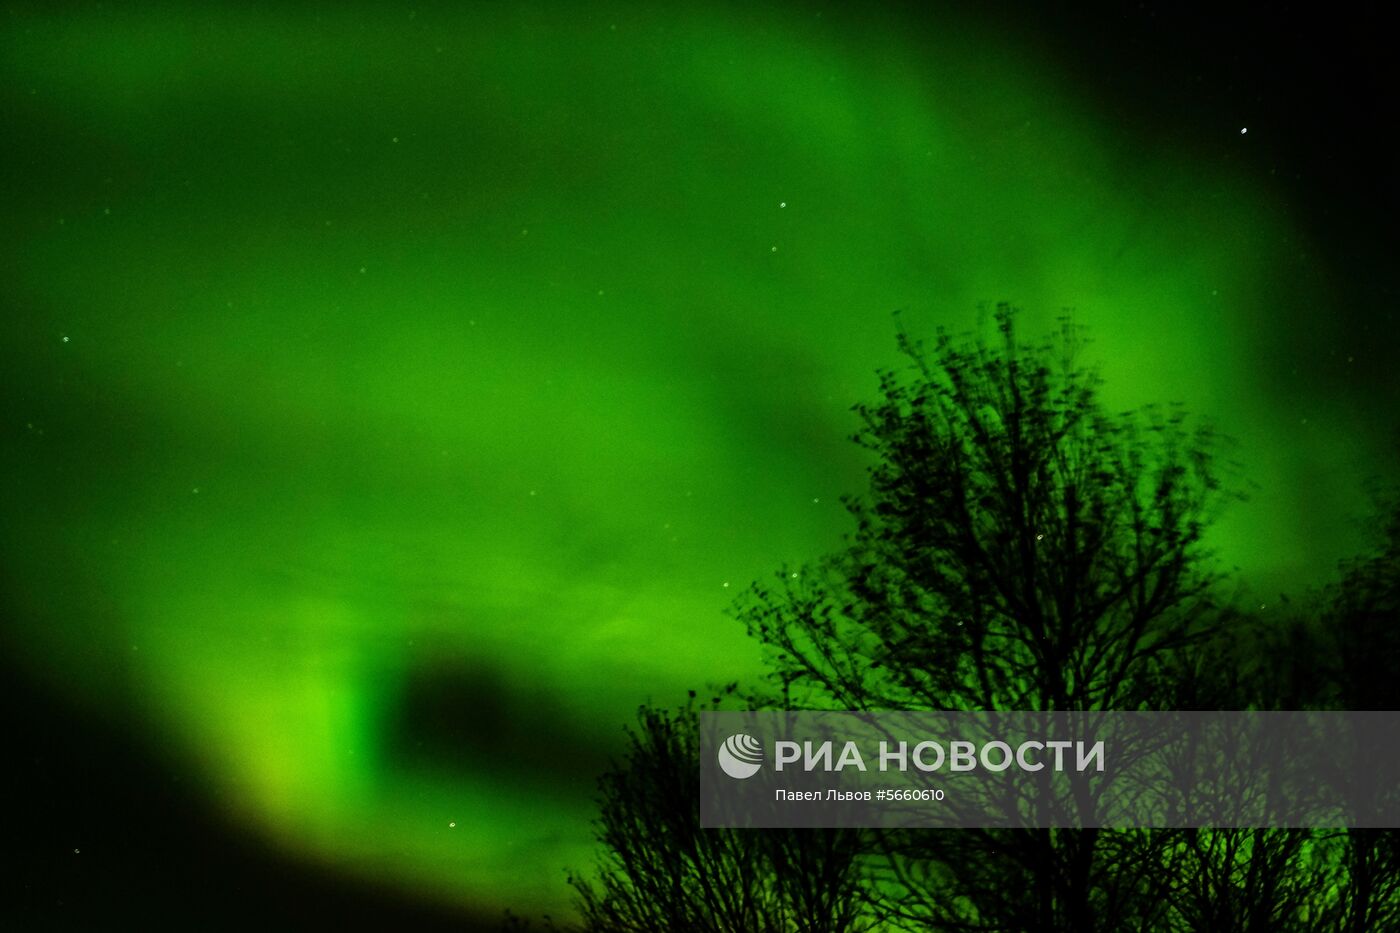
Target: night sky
396	397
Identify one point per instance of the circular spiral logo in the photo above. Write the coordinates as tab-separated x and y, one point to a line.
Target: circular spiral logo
741	756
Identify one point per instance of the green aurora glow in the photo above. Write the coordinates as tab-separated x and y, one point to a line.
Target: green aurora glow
341	347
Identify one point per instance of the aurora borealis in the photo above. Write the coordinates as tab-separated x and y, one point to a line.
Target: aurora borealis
387	391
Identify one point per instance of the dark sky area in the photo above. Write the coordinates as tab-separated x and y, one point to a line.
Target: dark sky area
1311	82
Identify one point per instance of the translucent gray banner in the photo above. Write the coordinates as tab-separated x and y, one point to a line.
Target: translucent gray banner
1071	770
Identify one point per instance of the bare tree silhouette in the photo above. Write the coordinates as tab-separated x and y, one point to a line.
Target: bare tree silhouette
1020	548
661	871
1363	624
